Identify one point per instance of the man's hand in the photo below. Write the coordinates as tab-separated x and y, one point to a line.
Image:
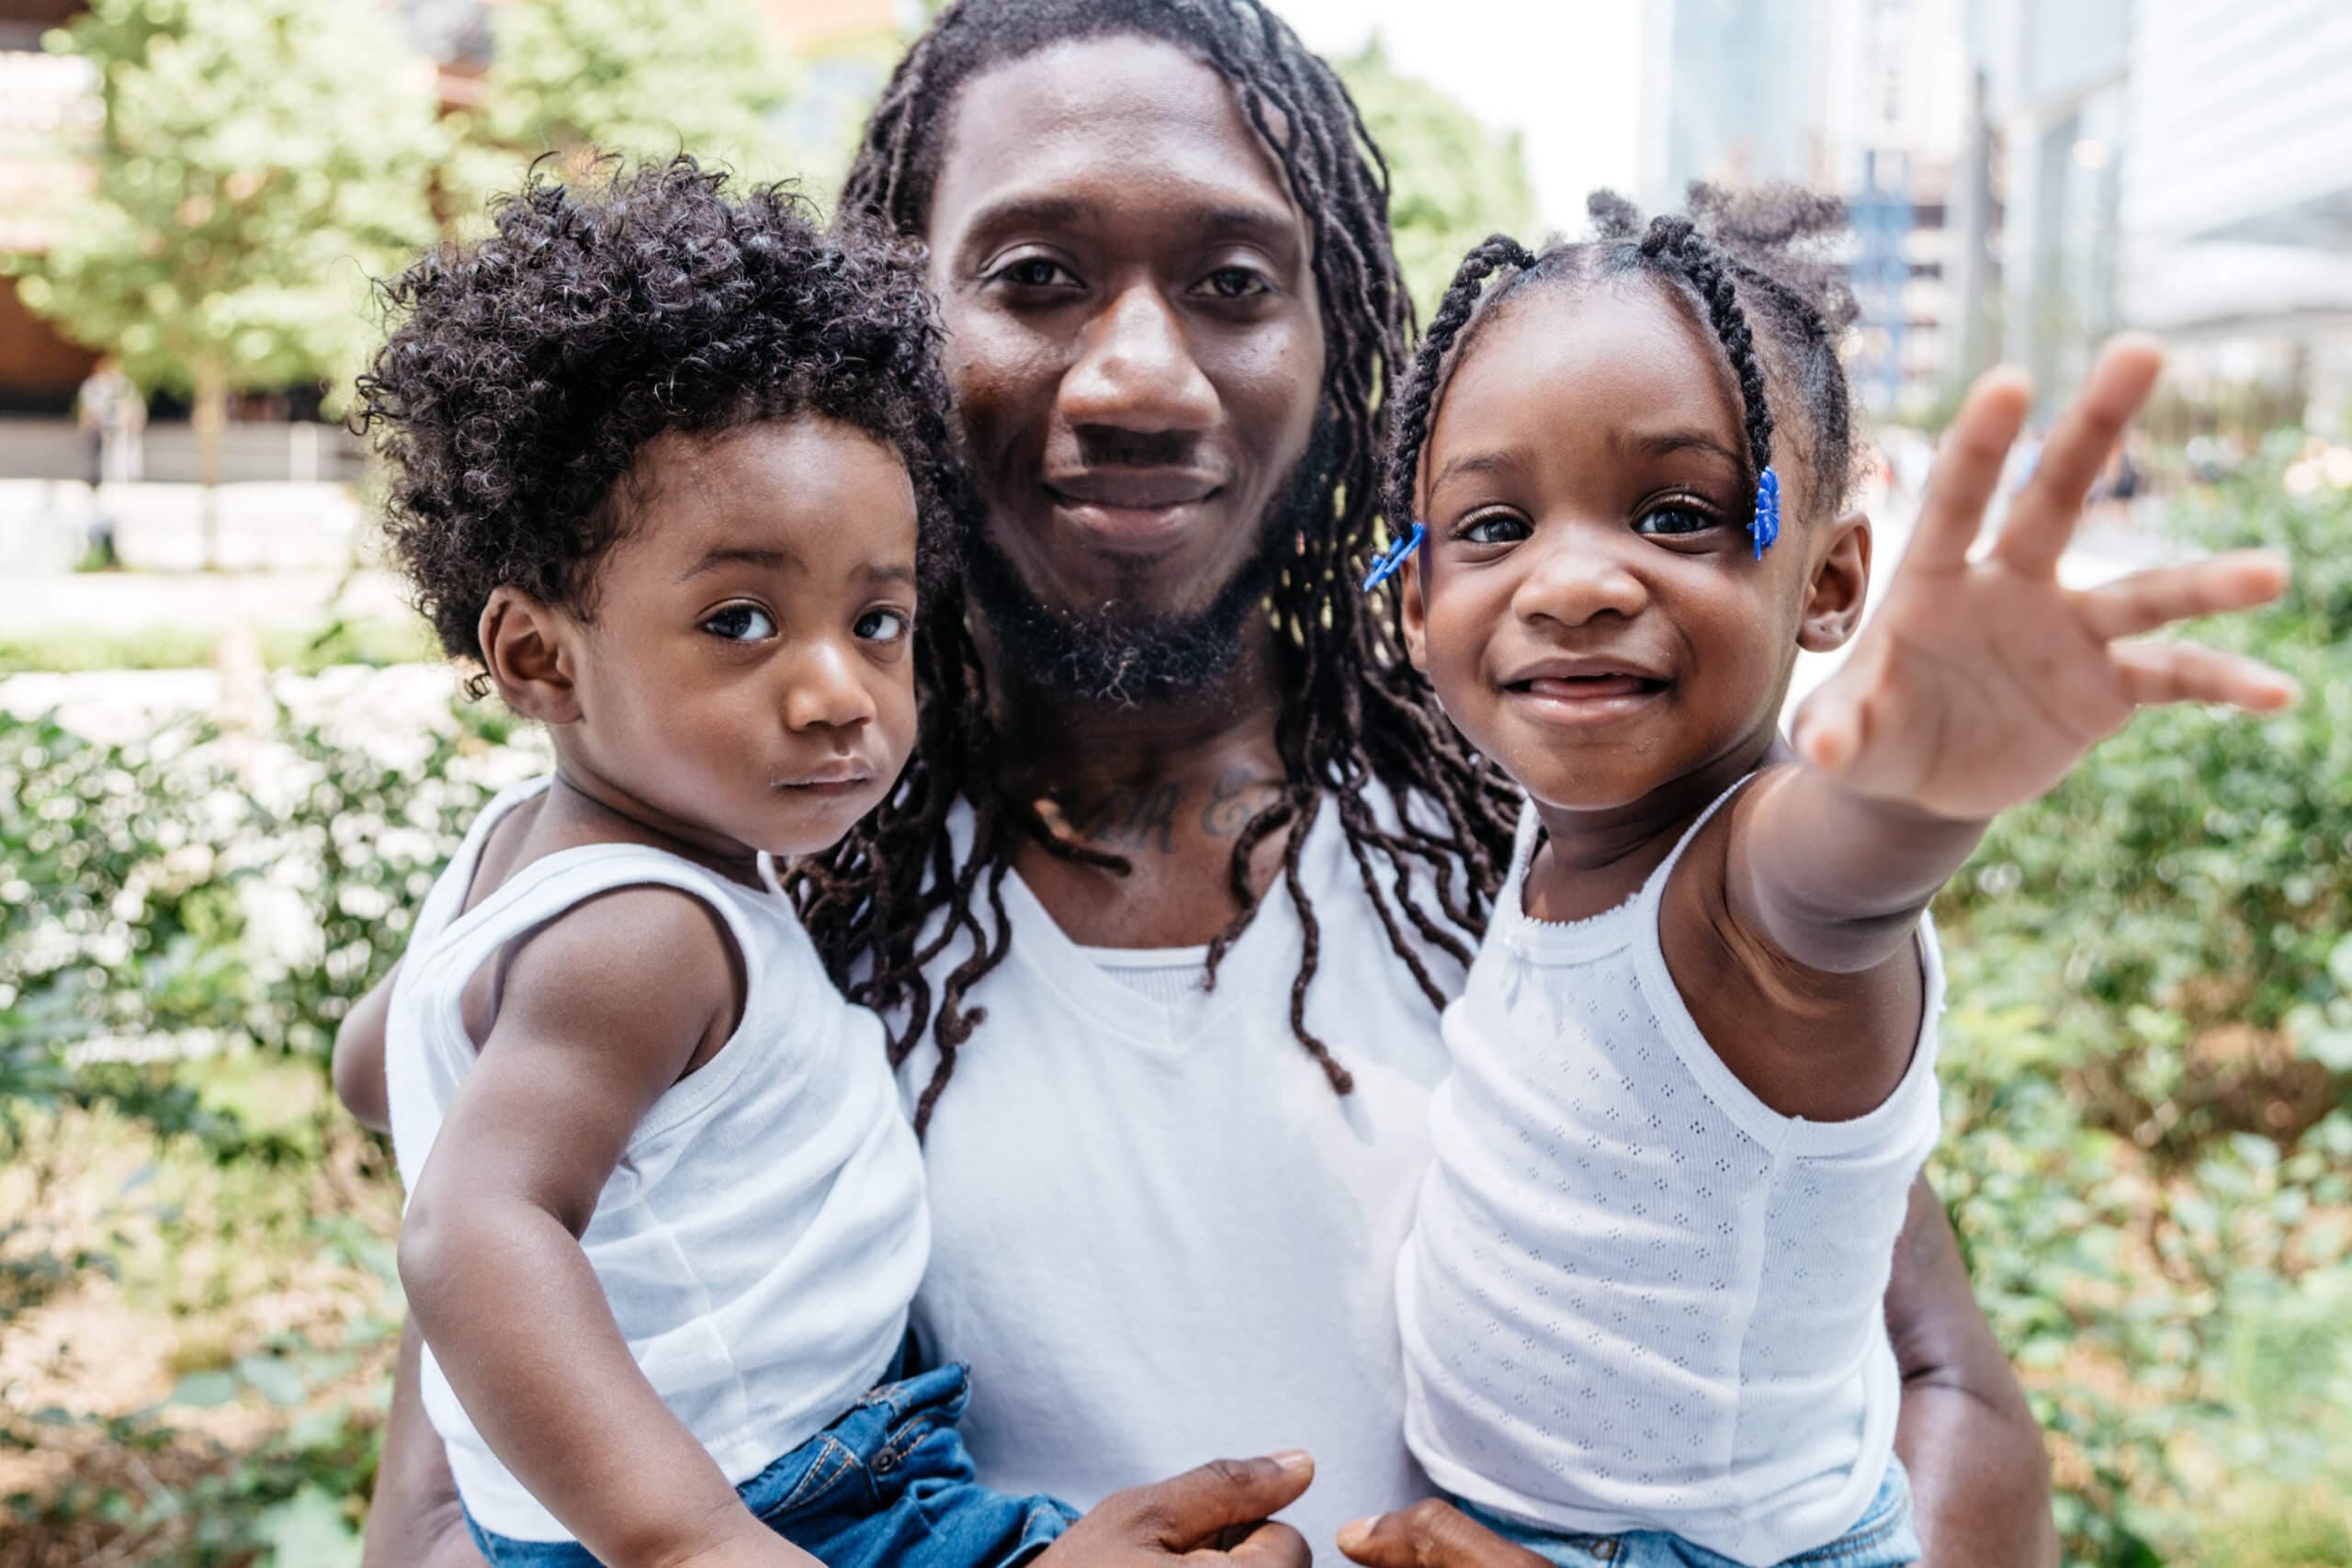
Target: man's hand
1206	1516
1431	1534
1979	685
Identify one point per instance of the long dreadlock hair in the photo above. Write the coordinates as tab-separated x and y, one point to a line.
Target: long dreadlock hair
1358	715
1740	257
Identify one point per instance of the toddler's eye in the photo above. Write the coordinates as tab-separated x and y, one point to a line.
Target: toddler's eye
741	622
884	626
1495	529
1673	520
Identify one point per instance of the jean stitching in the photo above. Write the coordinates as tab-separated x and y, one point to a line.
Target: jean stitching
1860	1540
819	1476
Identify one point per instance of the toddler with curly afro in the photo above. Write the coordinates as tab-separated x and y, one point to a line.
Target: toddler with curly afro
668	466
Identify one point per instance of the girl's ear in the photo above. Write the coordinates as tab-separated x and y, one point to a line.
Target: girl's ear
1841	579
527	648
1417	611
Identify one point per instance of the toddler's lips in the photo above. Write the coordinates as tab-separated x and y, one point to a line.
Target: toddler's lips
1586	699
842	779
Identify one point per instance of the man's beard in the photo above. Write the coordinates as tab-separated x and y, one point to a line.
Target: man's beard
1118	654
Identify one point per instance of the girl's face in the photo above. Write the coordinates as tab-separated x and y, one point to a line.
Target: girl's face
1587	604
747	676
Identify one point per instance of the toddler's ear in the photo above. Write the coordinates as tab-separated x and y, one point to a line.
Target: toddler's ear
1416	612
1841	578
526	648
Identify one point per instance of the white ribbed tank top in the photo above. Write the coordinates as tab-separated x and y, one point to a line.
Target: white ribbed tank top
764	1230
1634	1296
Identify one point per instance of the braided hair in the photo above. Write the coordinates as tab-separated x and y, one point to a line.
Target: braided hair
1359	721
1741	257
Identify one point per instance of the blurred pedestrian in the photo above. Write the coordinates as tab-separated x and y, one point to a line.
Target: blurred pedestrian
112	414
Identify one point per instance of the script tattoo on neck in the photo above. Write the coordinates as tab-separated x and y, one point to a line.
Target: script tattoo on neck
1144	816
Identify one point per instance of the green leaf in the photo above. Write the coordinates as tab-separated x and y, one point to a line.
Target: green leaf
308	1530
204	1390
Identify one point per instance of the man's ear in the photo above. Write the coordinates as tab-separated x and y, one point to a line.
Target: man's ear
1416	612
527	648
1841	579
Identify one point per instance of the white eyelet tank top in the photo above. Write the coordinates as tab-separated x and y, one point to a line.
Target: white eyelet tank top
764	1230
1634	1297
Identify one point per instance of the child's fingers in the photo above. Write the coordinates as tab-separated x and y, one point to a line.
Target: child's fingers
2156	672
1968	469
2147	600
2052	503
1431	1535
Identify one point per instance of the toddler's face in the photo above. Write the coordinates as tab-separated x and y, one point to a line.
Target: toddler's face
748	669
1587	604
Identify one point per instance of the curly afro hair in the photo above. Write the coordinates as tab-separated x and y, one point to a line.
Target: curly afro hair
527	370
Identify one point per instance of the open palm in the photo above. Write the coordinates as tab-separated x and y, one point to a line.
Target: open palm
1978	684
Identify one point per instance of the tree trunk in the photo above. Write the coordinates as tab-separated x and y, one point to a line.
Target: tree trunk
211	417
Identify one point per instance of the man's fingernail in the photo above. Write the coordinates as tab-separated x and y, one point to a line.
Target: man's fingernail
1352	1536
1294	1458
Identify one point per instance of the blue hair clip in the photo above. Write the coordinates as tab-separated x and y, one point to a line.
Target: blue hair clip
1384	564
1767	524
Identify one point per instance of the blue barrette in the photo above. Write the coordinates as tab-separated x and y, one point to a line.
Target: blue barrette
1384	564
1766	525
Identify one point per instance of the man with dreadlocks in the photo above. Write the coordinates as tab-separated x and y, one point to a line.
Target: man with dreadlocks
1162	915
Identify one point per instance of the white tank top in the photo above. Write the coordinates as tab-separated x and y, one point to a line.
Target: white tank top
1159	1238
761	1237
1635	1297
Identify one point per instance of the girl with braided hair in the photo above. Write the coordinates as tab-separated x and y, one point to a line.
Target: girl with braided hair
1694	1062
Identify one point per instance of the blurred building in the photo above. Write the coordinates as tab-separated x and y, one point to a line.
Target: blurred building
1870	99
49	122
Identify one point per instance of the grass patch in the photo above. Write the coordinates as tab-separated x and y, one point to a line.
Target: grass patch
377	640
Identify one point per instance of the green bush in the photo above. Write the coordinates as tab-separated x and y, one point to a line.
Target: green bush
2149	1053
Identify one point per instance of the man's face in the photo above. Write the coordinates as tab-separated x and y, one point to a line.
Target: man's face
1134	338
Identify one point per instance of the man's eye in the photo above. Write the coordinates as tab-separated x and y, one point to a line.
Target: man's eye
1496	528
1673	520
1033	272
1237	283
741	622
885	625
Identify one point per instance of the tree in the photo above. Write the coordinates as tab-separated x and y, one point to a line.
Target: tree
641	78
1452	181
260	161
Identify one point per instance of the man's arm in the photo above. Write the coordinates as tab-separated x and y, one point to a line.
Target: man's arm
1980	1479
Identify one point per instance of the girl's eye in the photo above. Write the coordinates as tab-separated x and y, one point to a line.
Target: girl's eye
885	625
1495	529
1673	520
1237	283
1033	272
741	622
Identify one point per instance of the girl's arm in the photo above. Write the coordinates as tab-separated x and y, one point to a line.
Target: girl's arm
601	1012
1978	685
359	1062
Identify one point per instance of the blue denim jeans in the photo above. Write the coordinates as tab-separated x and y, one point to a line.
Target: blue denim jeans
888	1485
1884	1538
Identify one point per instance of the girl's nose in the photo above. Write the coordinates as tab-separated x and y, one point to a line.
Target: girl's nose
1577	578
822	691
1135	372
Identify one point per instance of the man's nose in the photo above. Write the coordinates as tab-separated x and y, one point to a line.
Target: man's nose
1578	578
822	691
1135	372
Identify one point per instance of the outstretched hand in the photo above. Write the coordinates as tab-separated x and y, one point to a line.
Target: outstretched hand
1204	1516
1978	684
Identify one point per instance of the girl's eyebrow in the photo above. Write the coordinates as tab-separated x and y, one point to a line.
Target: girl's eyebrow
1666	443
1505	460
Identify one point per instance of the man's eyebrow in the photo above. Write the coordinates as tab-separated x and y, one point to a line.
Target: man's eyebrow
1054	210
734	555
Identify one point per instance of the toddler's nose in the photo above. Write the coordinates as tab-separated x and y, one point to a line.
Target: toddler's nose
822	691
1577	578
